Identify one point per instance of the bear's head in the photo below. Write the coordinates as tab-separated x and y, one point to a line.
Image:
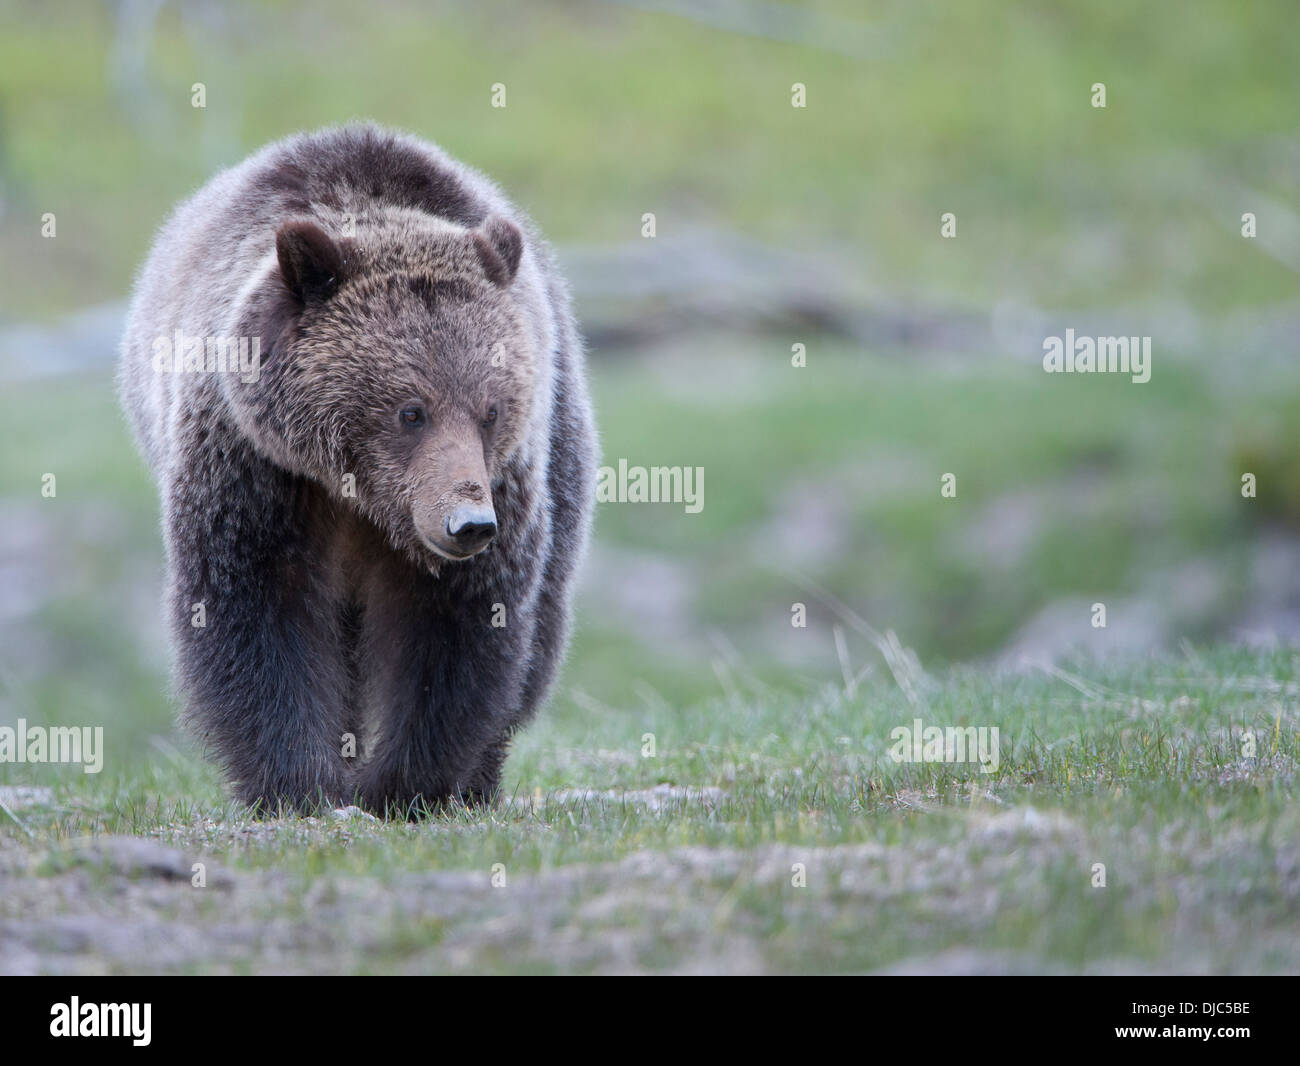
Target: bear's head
398	371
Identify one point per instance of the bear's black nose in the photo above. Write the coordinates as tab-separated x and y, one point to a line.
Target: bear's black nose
471	527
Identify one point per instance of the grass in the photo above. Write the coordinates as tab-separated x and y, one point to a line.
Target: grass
938	862
821	488
613	111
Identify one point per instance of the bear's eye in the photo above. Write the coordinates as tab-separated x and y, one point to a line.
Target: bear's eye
490	417
412	416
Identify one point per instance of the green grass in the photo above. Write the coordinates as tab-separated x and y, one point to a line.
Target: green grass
1143	774
614	111
1116	483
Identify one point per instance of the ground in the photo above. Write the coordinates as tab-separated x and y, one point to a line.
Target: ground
687	861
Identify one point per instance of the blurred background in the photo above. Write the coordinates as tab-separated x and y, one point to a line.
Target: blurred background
776	226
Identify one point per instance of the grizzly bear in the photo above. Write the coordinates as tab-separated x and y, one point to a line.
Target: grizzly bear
353	369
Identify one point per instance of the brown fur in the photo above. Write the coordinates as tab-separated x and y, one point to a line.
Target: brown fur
382	278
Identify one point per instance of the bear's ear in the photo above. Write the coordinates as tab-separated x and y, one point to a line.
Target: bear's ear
499	245
310	262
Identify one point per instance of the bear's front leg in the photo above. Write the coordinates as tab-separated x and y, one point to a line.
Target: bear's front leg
444	684
485	782
259	657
